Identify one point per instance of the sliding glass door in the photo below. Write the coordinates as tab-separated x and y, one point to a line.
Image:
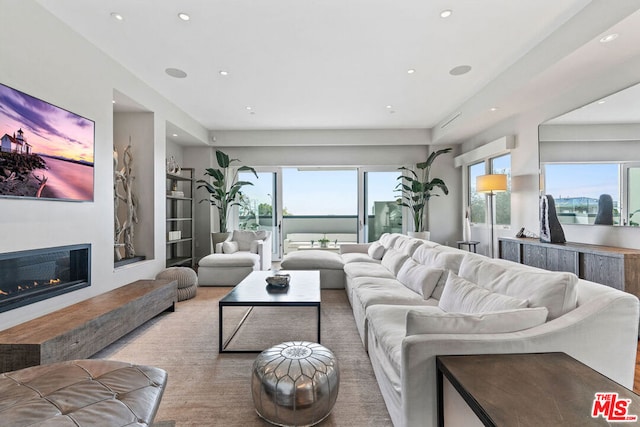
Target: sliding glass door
259	207
379	210
347	205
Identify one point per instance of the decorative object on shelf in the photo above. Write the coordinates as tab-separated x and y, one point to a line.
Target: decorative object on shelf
225	191
466	226
324	242
416	188
279	280
491	184
550	229
172	166
123	192
304	393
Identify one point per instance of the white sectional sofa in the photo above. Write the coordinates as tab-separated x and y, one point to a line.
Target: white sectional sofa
409	303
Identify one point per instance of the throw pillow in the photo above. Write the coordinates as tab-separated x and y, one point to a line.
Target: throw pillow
497	322
229	247
462	296
376	250
393	260
419	278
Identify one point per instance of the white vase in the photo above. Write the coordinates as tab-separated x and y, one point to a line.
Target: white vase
424	235
466	230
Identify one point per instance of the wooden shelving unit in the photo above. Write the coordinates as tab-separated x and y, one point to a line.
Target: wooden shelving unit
180	225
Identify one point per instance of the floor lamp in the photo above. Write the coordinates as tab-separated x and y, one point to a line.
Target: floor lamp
491	184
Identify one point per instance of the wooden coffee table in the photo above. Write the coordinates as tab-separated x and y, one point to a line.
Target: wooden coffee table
303	291
538	389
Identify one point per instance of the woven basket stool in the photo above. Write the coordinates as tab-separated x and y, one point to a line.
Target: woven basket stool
187	280
295	383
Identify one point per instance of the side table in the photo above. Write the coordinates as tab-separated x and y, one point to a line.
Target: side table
471	245
539	389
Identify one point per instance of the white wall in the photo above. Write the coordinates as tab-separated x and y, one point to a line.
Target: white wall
53	63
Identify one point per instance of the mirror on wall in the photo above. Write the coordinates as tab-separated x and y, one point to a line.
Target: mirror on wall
590	161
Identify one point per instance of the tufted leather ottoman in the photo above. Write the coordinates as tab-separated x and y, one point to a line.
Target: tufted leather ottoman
81	393
187	281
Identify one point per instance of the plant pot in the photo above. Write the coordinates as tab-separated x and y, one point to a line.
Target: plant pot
424	235
323	244
218	238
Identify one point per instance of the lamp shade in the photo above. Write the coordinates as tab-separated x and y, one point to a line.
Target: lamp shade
494	183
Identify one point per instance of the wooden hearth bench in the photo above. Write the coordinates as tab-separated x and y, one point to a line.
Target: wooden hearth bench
82	329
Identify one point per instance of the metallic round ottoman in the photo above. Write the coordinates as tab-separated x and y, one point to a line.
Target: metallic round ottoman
295	383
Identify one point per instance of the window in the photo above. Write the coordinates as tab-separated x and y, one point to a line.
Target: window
478	201
577	187
502	165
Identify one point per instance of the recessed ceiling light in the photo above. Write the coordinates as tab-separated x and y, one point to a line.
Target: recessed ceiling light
113	102
493	109
609	38
184	16
248	107
460	70
223	73
175	72
602	101
446	13
117	16
389	106
411	71
175	134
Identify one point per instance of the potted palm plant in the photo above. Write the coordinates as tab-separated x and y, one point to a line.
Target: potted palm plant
416	187
225	189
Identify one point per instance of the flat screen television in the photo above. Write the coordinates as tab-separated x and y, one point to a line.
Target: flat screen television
46	152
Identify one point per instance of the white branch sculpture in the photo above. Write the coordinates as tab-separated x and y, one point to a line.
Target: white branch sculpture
123	191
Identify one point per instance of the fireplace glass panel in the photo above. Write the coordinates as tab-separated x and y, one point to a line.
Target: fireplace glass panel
35	275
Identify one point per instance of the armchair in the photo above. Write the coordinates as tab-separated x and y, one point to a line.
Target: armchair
253	242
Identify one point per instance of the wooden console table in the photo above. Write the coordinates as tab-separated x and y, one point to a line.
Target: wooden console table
608	265
543	389
82	329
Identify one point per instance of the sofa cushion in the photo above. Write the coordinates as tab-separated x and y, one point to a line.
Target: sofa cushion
312	260
406	244
387	240
239	259
245	237
369	294
419	278
393	260
229	247
439	322
358	257
443	257
376	250
557	291
367	269
462	296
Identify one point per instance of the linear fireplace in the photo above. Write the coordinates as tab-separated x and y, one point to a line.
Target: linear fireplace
34	275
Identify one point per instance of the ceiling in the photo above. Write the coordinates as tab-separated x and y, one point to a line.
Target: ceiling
336	64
